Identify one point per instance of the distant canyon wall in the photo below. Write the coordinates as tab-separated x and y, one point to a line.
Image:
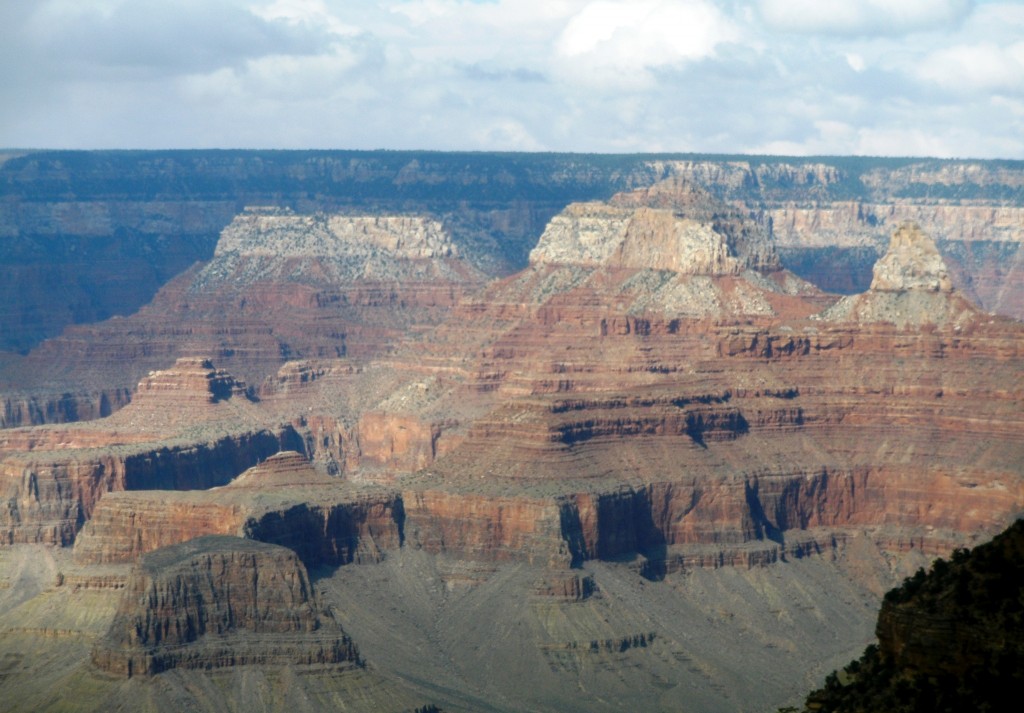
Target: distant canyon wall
88	235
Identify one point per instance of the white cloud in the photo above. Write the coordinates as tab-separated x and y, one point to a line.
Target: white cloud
863	17
645	33
878	76
856	62
983	67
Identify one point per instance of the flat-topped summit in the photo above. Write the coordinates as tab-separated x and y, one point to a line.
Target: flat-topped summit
220	601
275	244
912	262
193	379
281	232
673	225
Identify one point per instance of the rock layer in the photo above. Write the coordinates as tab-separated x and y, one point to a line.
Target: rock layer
674	226
192	427
216	602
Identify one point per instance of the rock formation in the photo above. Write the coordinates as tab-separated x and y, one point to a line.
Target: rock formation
192	426
219	601
911	263
911	286
555	460
674	225
279	286
283	501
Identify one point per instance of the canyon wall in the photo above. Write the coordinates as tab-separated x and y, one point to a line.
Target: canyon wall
109	228
217	602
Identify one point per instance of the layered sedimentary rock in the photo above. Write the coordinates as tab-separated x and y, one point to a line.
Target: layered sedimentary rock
280	286
192	427
741	438
218	602
283	501
673	225
652	395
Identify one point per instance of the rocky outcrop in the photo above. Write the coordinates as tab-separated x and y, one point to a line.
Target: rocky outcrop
47	496
32	409
283	501
480	527
911	287
271	231
911	263
395	442
216	602
191	427
569	425
192	380
280	286
958	618
674	226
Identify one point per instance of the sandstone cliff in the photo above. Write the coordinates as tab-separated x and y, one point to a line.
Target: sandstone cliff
282	501
192	426
674	225
605	462
279	286
217	602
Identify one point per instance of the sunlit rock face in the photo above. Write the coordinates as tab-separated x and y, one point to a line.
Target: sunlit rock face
911	287
912	262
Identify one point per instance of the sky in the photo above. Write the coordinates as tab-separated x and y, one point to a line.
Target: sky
938	78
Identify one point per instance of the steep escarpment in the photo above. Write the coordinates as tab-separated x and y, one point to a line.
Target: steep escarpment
219	602
89	235
831	219
192	427
109	228
283	501
611	461
739	437
674	225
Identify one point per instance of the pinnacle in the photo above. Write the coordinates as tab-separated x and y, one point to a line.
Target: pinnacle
912	262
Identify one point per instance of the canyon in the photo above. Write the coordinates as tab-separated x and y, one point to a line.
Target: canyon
364	459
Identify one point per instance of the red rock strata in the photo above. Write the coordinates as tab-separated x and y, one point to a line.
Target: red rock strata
283	501
280	286
191	427
220	601
600	407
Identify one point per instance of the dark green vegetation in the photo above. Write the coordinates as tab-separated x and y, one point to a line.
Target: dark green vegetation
951	639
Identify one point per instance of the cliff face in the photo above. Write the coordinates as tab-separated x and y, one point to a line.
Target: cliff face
216	602
64	215
674	225
190	427
280	286
282	501
110	228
